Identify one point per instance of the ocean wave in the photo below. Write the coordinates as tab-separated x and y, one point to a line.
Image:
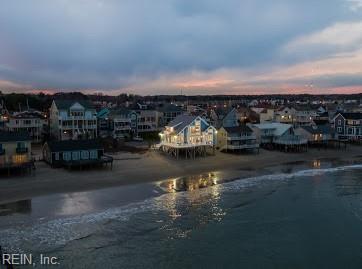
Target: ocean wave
253	181
57	233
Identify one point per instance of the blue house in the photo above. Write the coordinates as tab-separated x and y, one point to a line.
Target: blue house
69	153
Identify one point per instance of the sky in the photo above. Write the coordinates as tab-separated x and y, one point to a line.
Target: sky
181	46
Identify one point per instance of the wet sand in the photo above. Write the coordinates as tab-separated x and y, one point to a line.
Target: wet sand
152	166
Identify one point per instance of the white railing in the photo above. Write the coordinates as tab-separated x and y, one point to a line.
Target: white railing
251	146
188	145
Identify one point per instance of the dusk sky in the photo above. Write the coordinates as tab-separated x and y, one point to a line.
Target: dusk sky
197	46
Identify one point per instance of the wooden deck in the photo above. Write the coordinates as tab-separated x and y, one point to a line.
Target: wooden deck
189	151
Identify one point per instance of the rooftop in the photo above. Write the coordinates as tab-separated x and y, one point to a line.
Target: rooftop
70	145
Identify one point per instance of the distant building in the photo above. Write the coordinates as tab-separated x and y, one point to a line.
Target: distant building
15	150
236	138
266	115
74	153
348	126
4	119
188	134
247	115
117	123
169	111
32	122
296	116
70	119
149	121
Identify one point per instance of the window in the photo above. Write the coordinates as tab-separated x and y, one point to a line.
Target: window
339	129
21	145
19	158
93	154
75	155
56	156
67	156
339	122
85	155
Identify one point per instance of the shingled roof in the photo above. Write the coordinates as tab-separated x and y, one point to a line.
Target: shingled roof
238	129
73	145
6	136
319	129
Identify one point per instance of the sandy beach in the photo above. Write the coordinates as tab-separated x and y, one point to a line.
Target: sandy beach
152	166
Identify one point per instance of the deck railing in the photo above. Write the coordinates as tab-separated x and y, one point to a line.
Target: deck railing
188	145
241	137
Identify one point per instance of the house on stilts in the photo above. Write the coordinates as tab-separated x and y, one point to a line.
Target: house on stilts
279	136
188	136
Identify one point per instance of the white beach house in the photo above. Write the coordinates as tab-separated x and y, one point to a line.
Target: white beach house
191	135
70	119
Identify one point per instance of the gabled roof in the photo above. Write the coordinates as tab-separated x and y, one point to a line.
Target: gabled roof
238	129
7	136
71	145
279	128
66	104
352	116
319	129
180	122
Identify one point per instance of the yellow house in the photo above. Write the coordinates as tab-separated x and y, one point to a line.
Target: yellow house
236	138
15	149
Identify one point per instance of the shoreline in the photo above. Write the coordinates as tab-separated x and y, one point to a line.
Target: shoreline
155	167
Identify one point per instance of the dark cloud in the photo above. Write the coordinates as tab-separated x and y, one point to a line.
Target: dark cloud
110	44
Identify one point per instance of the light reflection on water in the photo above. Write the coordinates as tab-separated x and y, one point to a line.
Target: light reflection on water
185	202
191	183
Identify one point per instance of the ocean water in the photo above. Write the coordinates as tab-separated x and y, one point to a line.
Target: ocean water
310	218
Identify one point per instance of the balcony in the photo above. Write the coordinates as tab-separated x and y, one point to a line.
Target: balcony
244	146
21	150
293	140
242	137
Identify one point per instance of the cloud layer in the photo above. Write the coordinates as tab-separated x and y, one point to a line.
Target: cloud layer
164	46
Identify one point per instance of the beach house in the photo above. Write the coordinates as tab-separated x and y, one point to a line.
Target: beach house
348	126
72	119
318	135
279	136
15	151
117	123
189	136
297	116
236	138
31	121
75	153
